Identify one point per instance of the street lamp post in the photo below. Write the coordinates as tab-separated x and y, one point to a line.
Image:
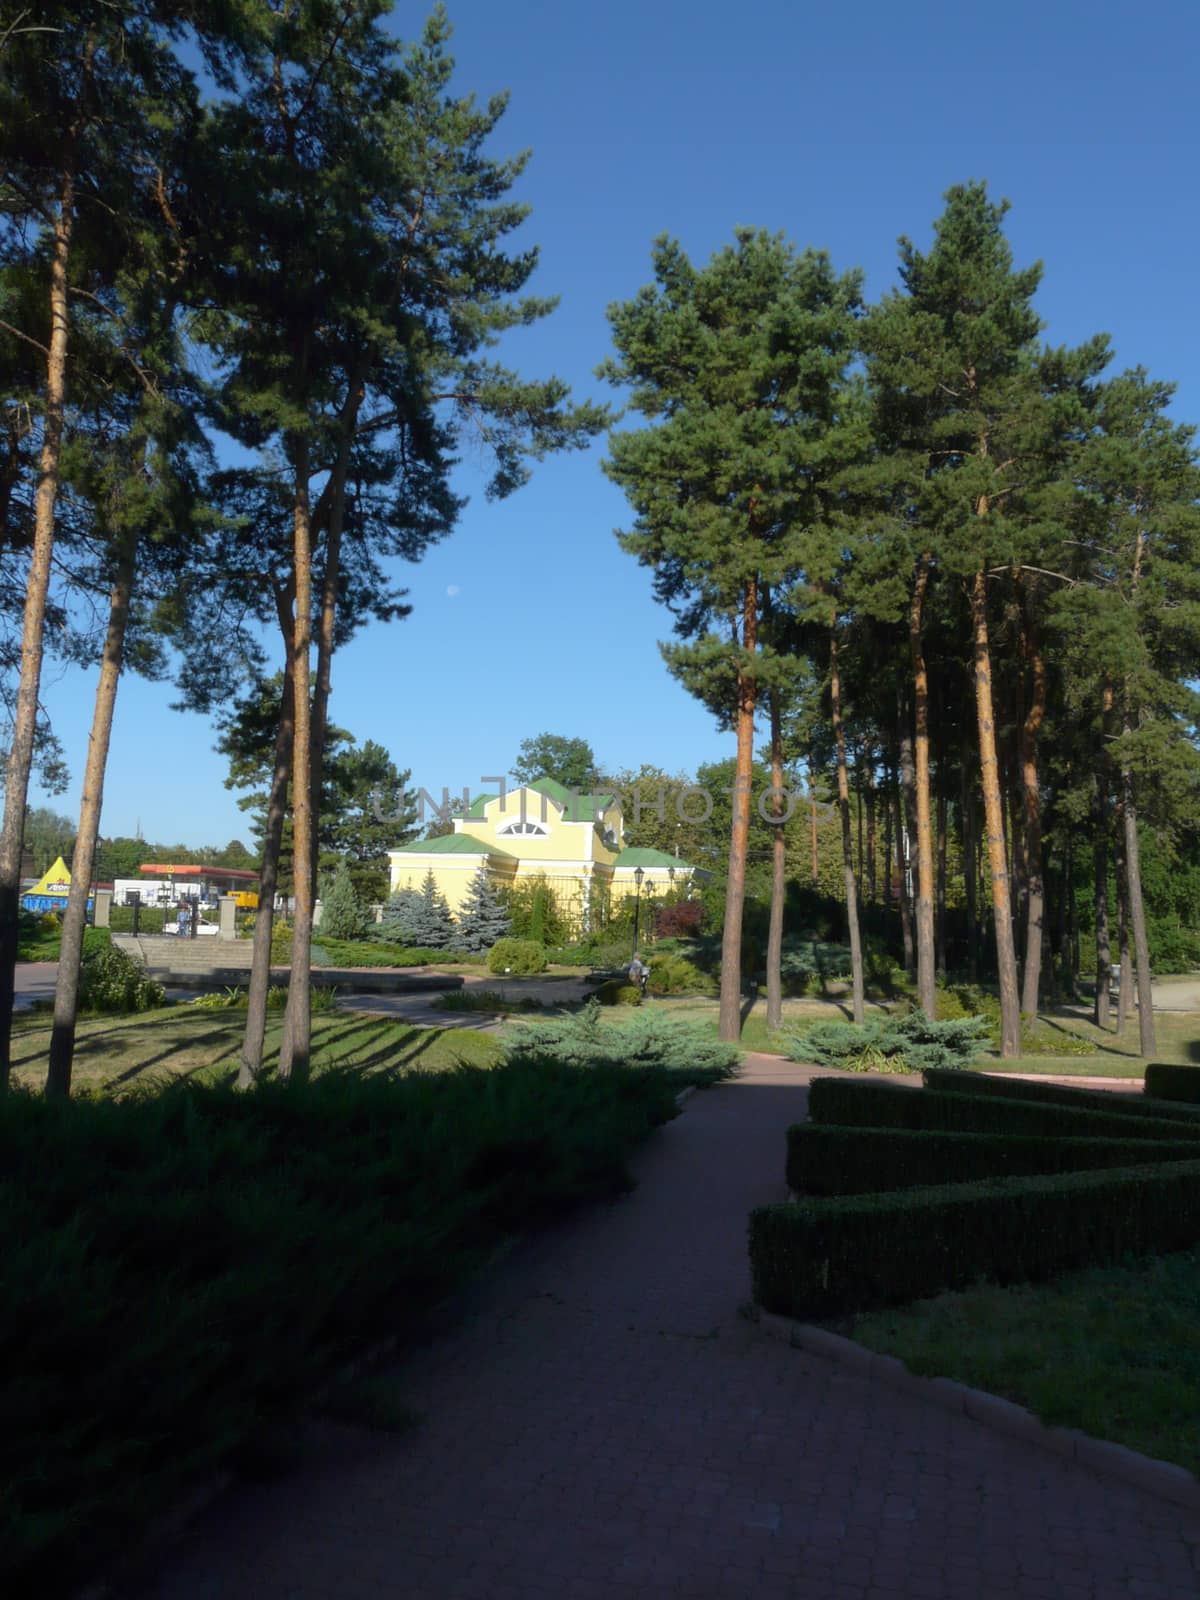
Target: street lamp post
638	875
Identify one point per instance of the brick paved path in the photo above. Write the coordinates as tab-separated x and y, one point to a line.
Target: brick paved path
605	1425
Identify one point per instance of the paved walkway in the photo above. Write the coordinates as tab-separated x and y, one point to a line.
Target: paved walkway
604	1425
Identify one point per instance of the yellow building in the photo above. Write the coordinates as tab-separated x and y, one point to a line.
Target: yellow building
542	829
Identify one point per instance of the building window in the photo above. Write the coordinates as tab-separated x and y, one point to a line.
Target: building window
524	828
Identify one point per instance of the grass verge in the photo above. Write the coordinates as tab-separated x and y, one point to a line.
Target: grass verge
1113	1350
196	1042
185	1264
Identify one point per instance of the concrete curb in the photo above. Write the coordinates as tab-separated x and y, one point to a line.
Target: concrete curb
1162	1479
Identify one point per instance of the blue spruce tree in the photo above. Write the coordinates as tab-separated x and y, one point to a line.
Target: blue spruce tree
483	917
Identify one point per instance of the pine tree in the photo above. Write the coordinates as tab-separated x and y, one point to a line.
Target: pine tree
969	393
85	96
401	917
737	367
358	286
433	925
341	913
482	917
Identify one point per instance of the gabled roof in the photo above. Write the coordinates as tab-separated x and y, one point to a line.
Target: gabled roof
578	808
449	844
637	855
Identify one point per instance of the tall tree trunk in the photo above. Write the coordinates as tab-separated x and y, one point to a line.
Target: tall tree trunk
294	1050
872	825
254	1038
940	917
1035	884
37	588
926	955
812	796
907	814
858	809
856	957
1006	959
970	872
907	941
730	1017
83	857
1101	1005
1137	914
1125	978
778	871
889	865
334	495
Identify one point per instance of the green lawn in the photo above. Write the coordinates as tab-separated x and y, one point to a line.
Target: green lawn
187	1041
1114	1351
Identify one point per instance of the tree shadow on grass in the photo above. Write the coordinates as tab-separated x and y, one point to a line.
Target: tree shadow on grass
1096	1046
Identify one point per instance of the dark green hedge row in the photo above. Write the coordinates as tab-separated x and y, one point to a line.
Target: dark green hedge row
1174	1083
820	1258
180	1267
877	1105
1125	1105
826	1160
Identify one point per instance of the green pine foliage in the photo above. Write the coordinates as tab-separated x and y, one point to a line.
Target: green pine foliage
483	917
893	1044
689	1053
341	913
419	917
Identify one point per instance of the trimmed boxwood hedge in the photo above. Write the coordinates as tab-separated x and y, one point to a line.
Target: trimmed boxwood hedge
830	1160
1124	1105
1170	1082
821	1258
877	1105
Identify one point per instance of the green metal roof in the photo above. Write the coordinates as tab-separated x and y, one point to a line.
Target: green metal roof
581	808
643	856
450	844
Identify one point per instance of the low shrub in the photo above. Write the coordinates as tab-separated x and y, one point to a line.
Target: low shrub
617	992
362	953
521	957
321	998
891	1044
1038	1038
825	1257
487	1000
113	982
806	964
828	1160
1169	1082
1122	1105
882	1105
150	918
184	1267
675	974
687	1052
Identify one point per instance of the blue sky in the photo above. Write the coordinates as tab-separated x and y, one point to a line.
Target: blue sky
840	127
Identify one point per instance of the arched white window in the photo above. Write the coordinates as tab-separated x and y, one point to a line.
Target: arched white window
524	828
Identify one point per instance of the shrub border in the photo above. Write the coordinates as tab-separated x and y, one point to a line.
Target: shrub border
1163	1479
165	1531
